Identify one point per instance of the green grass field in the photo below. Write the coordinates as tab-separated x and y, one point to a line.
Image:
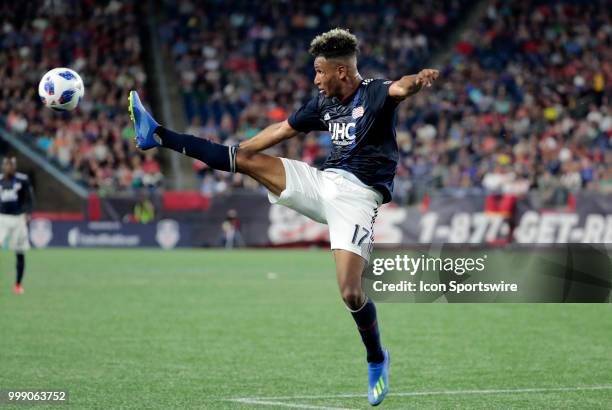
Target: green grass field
196	329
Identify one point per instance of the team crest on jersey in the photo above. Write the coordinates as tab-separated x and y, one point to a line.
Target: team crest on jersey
358	112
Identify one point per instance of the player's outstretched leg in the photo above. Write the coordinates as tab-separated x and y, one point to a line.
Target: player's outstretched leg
349	268
267	170
20	267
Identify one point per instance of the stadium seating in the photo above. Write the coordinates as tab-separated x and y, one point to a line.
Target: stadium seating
523	102
494	122
243	65
101	40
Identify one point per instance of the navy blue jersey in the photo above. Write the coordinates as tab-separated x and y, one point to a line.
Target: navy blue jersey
15	194
362	130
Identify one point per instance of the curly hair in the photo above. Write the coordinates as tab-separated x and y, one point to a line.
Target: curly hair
337	42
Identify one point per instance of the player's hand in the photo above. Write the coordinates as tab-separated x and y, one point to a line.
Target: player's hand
425	78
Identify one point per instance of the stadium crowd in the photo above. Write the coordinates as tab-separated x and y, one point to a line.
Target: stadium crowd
523	102
242	65
101	41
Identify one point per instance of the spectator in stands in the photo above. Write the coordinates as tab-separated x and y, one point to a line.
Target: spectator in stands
231	236
144	210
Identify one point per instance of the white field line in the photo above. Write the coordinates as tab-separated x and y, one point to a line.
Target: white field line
283	404
273	401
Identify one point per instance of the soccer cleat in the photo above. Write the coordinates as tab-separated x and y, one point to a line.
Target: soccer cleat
378	380
144	124
18	290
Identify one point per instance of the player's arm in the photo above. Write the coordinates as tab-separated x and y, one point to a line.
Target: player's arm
305	119
269	136
411	84
28	200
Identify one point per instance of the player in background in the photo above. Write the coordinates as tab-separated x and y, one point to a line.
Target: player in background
355	180
16	200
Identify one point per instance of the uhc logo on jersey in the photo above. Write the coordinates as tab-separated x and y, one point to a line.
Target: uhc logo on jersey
342	133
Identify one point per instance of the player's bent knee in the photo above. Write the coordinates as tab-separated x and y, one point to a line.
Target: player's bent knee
353	297
246	160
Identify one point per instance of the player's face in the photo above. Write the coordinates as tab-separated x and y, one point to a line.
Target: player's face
7	167
327	77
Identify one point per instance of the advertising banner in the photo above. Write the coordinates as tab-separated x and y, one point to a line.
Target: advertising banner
473	220
165	234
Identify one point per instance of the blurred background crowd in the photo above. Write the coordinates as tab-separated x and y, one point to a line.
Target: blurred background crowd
101	41
523	102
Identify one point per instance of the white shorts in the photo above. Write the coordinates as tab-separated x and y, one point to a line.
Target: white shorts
348	208
14	232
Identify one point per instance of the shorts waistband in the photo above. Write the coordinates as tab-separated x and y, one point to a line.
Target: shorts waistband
351	177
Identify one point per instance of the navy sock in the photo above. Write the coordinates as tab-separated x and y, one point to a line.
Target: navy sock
367	324
215	155
20	267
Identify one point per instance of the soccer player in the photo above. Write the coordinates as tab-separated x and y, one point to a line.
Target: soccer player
355	180
16	198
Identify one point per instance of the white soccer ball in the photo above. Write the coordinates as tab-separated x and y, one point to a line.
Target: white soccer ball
61	89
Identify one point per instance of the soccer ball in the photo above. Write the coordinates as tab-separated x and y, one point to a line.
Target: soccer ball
61	89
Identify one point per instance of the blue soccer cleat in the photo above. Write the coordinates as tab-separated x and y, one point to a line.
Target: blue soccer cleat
144	124
378	379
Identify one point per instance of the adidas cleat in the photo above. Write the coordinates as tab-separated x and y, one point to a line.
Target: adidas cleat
144	124
378	380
